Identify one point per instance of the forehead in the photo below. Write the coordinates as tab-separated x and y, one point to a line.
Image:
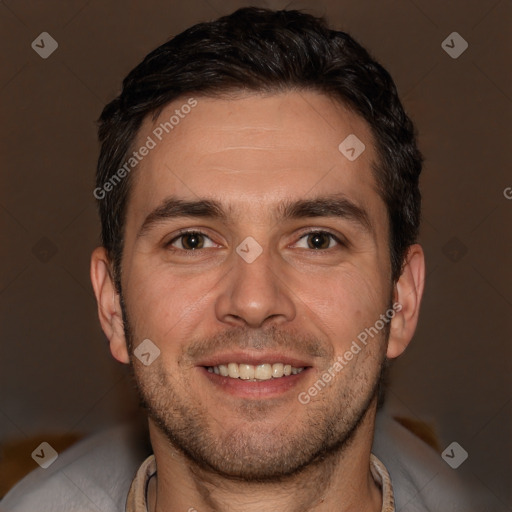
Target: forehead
251	149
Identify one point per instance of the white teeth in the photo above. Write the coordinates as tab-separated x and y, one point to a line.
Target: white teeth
277	370
233	370
246	371
264	371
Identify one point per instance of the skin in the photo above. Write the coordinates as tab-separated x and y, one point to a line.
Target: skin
222	451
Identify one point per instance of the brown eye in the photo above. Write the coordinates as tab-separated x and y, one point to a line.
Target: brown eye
190	241
320	240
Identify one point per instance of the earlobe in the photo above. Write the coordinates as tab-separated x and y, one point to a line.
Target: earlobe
109	308
408	293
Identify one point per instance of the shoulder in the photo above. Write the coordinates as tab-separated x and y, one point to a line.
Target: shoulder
422	481
94	474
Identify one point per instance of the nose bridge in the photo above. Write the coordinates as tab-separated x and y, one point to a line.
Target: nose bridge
255	292
254	265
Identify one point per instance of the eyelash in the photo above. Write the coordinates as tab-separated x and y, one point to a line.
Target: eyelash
191	252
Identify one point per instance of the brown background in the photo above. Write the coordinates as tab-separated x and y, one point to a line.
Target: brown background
56	372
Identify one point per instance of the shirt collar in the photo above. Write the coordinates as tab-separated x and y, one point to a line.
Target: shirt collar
137	496
381	476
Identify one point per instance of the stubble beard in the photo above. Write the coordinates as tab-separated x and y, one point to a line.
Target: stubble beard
258	452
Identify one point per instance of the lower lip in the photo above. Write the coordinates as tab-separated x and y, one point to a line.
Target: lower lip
256	389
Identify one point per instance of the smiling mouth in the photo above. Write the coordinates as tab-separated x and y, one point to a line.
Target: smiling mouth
254	373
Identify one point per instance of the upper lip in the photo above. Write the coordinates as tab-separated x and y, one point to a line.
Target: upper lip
253	358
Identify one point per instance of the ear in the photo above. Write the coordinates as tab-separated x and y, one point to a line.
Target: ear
407	293
109	307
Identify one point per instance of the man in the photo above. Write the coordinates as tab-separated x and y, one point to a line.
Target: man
259	202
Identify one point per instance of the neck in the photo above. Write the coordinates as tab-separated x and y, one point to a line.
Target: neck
339	482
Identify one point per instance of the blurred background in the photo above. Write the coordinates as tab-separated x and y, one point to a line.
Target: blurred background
57	377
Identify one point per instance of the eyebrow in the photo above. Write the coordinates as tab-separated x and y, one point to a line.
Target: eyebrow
334	205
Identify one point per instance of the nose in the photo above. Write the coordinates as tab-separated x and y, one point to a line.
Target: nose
255	292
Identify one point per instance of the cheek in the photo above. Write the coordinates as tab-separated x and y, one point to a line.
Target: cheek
160	303
346	302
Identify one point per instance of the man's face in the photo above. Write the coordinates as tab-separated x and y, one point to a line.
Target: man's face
256	286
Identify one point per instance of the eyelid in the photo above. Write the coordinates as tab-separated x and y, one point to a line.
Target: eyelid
185	231
341	240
